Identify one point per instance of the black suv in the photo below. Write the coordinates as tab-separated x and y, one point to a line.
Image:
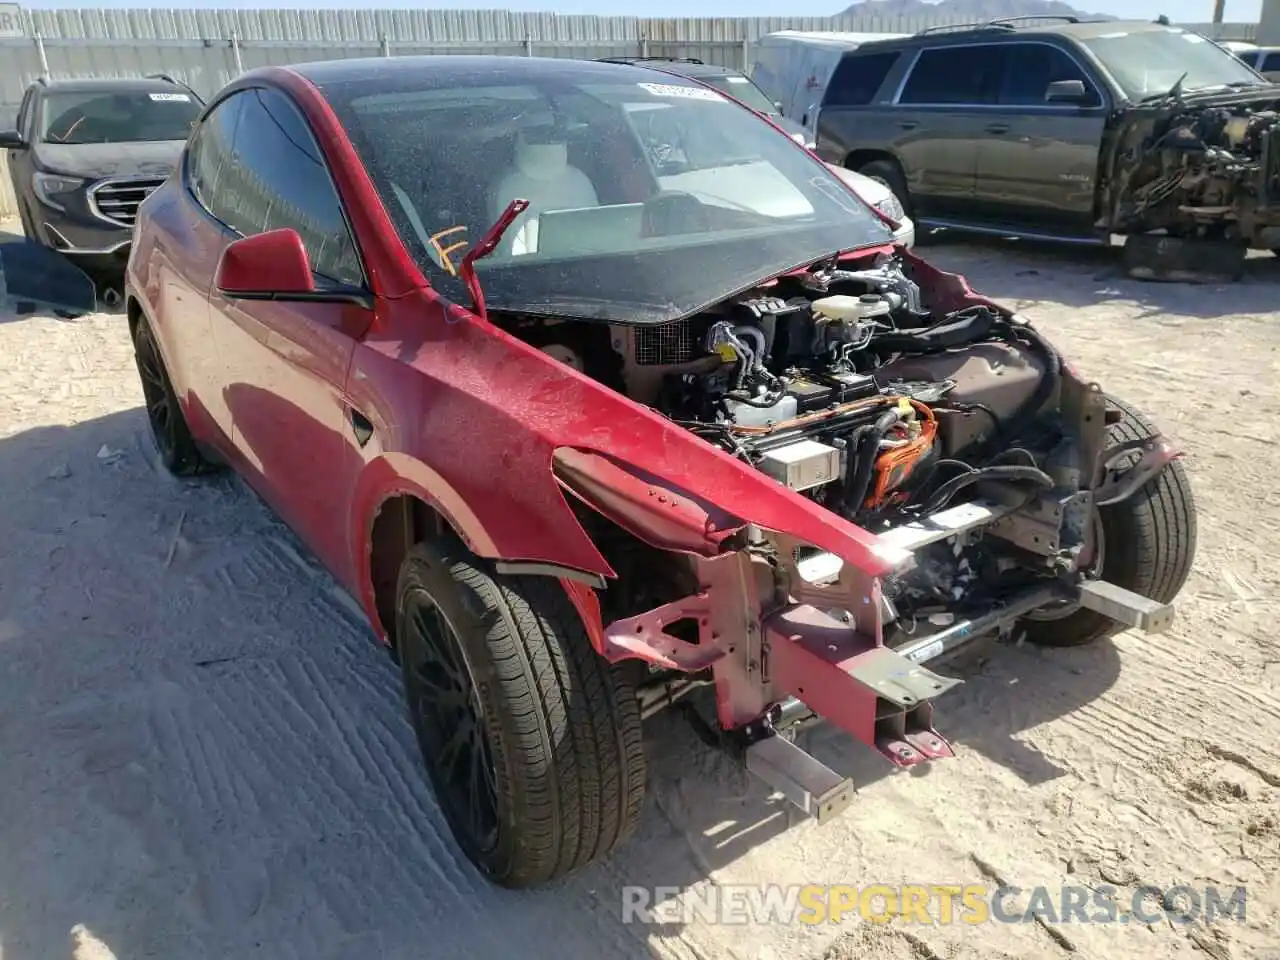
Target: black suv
733	82
1063	129
86	153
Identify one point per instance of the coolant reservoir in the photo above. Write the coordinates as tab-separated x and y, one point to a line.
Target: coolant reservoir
845	309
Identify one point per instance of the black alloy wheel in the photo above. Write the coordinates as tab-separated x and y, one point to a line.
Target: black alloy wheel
449	719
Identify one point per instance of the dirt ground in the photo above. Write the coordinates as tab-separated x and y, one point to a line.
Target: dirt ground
205	756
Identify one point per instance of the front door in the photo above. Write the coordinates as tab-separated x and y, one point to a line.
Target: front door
1038	169
285	364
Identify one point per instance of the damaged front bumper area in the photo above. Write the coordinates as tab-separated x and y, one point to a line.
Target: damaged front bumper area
1207	166
788	634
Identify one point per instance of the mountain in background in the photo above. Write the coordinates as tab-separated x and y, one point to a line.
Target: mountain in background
969	10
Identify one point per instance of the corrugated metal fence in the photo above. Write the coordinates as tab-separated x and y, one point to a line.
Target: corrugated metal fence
208	48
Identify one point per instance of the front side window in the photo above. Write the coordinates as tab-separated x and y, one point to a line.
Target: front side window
1029	68
279	179
1147	63
954	75
647	199
123	117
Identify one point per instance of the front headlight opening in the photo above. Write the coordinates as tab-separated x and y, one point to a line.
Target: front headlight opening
891	207
48	186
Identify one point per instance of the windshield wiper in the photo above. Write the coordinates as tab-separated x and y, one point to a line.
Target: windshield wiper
488	243
1173	93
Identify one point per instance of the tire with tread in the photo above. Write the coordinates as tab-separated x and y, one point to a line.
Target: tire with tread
563	725
177	448
1149	542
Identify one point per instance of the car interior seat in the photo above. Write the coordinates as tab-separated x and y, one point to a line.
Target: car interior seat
540	173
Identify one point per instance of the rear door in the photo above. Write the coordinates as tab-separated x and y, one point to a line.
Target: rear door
185	242
1038	165
285	364
942	115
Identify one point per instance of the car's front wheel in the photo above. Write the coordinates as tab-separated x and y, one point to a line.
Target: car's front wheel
531	740
177	448
1146	543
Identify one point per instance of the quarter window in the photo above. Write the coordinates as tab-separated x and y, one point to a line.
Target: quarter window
279	179
954	75
858	78
1029	68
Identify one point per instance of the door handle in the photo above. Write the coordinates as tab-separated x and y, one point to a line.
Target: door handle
997	128
908	124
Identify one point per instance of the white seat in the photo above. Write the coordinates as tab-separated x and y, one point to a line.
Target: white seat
542	175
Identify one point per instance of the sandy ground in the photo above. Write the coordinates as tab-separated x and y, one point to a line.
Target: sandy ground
205	756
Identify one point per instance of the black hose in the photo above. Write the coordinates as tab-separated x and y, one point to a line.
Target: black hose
864	448
1007	472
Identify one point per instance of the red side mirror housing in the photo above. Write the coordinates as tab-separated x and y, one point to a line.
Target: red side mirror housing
267	266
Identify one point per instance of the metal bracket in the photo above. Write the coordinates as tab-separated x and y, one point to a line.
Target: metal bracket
1047	525
1118	485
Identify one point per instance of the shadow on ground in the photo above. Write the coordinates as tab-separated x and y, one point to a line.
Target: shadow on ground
35	280
1031	271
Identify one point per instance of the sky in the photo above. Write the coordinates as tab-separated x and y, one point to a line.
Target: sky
1187	11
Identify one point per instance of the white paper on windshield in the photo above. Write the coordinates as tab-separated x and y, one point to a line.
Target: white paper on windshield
679	92
169	97
737	79
1193	38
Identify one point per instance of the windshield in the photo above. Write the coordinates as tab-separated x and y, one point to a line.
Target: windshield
1147	63
139	115
741	88
648	200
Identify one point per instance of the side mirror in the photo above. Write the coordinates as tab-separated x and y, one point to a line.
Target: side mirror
275	266
1066	91
268	266
11	140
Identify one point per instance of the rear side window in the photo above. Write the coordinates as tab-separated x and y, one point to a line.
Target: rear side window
1029	68
1272	61
858	78
954	75
210	150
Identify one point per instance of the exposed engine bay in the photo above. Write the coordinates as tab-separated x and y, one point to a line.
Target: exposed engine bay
1210	167
845	387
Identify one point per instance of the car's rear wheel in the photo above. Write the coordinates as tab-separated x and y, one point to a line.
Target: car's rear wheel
169	428
531	740
1147	544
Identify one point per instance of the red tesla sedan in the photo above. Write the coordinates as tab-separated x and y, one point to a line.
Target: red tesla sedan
596	390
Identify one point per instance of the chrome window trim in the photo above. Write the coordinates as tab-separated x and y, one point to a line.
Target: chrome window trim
1046	108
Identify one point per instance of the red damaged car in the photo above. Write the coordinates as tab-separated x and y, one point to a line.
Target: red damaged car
595	389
